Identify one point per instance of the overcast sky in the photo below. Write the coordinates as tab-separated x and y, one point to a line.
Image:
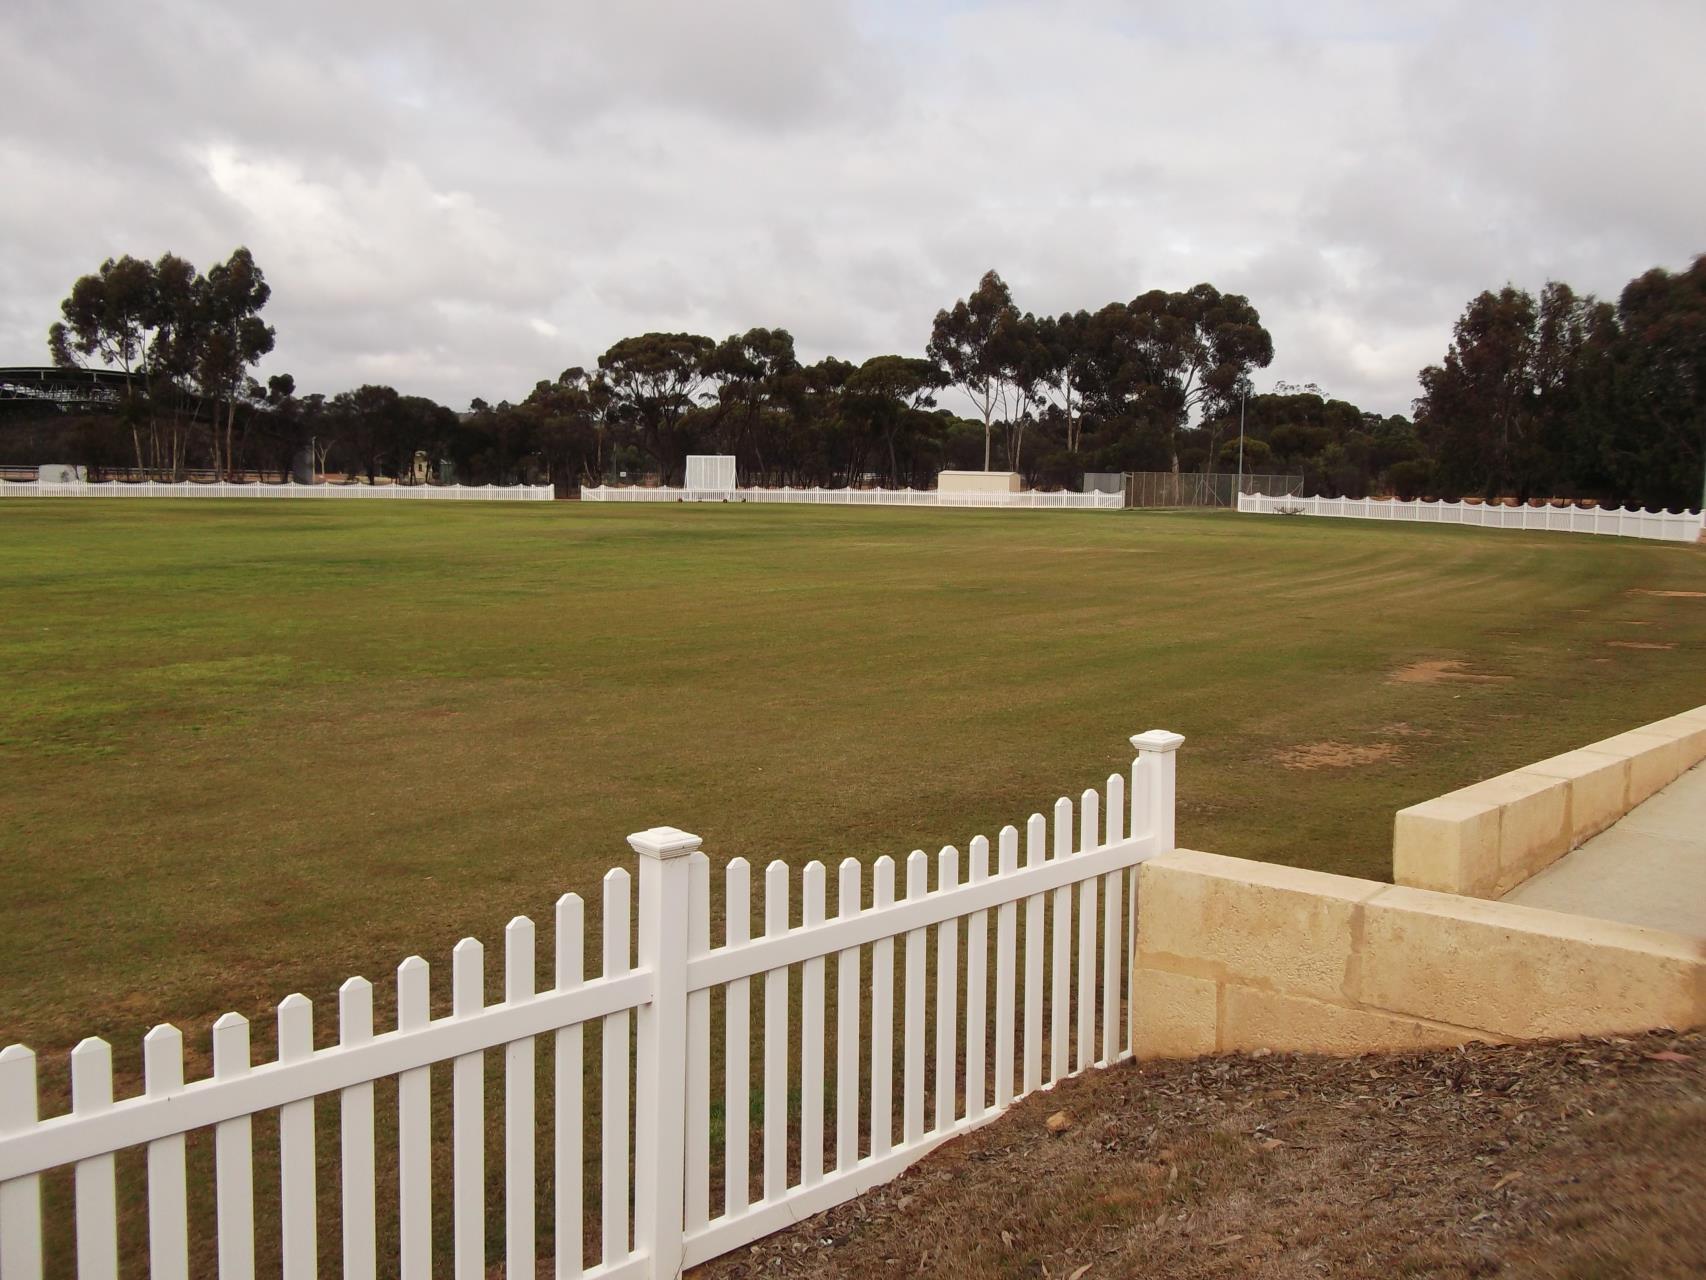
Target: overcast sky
461	199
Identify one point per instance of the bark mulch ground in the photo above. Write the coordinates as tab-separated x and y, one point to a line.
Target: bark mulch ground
1569	1161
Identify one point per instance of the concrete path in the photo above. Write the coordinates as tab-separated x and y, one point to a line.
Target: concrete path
1649	868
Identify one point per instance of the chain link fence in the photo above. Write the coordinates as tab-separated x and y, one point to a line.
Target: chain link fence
1204	489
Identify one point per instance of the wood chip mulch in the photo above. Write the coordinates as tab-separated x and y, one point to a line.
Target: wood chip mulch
1570	1161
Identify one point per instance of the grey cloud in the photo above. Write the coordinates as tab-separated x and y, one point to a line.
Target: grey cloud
462	199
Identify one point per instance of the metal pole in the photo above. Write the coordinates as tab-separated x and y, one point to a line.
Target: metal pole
1242	396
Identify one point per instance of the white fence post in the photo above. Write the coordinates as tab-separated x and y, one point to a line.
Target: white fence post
661	1074
1156	750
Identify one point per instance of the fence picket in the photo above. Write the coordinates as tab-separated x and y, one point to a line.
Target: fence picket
567	1104
468	1118
20	1198
882	1016
697	1184
298	1236
519	987
233	1158
776	1026
848	902
1111	924
1061	971
355	1026
977	986
1036	848
414	1126
1006	946
168	1201
613	1194
912	1033
737	1044
1088	822
97	1205
811	1035
947	994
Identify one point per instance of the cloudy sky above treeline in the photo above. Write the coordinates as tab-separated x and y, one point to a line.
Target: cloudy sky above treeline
462	199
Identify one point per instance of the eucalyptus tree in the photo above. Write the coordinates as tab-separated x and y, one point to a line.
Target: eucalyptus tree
885	403
752	371
231	338
1065	368
1193	350
654	379
111	316
571	417
182	339
967	343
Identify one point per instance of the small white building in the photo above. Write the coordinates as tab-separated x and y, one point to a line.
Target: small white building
979	482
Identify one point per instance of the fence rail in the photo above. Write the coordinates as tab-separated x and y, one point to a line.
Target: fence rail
1666	526
859	497
989	1046
223	489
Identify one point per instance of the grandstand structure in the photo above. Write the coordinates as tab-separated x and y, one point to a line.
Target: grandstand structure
69	388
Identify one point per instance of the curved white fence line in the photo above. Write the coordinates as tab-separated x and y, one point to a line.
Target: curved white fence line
221	489
861	497
1665	526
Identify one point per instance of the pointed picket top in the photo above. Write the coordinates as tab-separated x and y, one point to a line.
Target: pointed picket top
17	1087
230	1045
467	977
519	976
295	1028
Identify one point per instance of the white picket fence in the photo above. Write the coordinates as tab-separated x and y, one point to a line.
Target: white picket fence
979	1060
860	497
1666	526
328	492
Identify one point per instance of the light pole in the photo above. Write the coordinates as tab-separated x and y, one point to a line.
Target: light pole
1243	395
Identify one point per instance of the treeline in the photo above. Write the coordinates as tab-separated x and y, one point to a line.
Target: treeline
1571	395
1566	396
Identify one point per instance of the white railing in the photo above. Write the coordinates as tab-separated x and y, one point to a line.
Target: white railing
977	1062
1667	526
860	497
223	489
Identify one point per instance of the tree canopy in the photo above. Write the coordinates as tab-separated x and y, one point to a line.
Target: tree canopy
1560	394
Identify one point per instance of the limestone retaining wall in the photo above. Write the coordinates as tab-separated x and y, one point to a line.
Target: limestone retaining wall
1233	954
1484	840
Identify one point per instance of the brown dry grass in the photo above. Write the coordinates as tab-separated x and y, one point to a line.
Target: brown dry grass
1338	755
1584	1160
1441	671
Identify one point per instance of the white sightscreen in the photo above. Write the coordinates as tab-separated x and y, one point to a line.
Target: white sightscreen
710	471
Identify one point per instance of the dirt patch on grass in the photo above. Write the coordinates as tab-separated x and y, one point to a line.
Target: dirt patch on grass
1639	644
1550	1162
1337	755
1670	595
1441	671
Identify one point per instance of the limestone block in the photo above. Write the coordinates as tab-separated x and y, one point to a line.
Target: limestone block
1598	788
1173	1015
1689	729
1655	759
1449	844
1268	1020
1534	824
1267	926
1520	971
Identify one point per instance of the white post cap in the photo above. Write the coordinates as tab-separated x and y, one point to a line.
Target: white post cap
1157	740
663	842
